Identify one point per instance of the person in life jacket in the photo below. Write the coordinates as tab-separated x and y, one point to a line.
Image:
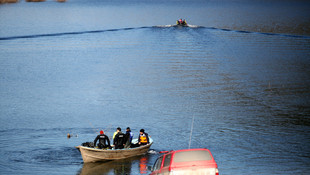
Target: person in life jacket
128	137
104	141
181	22
143	138
184	22
119	139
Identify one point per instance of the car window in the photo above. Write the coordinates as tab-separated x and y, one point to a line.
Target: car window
167	160
157	164
188	156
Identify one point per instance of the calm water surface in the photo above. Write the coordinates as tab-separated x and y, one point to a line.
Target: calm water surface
248	91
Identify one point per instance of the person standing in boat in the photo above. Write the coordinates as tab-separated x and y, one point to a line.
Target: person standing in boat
128	137
143	138
119	139
104	141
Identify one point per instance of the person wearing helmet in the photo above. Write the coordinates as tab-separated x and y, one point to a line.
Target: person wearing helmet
179	22
104	141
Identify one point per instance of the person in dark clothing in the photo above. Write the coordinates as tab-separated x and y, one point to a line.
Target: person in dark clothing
143	138
128	137
104	141
119	140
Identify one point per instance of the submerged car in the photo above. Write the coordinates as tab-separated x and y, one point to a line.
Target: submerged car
185	162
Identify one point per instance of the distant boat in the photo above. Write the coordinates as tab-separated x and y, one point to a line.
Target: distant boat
96	155
181	22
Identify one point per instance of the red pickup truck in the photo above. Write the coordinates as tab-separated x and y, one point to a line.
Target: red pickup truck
186	162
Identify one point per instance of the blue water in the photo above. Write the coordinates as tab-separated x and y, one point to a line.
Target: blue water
81	66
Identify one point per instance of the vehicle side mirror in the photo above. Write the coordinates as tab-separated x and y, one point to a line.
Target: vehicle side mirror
150	168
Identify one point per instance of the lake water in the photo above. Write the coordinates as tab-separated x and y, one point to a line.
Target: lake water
241	73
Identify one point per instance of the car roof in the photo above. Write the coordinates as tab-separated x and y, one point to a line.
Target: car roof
184	150
187	155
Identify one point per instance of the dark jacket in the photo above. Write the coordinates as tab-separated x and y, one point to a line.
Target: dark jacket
102	140
119	140
129	136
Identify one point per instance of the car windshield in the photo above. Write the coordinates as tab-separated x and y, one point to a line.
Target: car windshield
189	156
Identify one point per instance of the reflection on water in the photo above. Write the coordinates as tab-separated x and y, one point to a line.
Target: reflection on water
116	167
143	165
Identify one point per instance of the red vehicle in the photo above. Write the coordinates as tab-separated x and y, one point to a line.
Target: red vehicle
186	162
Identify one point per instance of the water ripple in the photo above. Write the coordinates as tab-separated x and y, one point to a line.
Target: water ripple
144	27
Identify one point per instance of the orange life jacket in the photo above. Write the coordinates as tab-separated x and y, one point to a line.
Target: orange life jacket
143	138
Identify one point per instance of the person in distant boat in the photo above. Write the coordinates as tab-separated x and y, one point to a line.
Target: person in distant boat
184	22
143	138
119	139
128	137
104	141
181	22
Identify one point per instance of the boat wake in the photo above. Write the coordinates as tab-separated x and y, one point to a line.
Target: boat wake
151	151
175	25
193	26
164	26
136	28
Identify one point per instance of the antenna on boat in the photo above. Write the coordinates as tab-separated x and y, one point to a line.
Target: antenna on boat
190	137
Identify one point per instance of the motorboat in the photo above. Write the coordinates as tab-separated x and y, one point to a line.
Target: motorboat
90	154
